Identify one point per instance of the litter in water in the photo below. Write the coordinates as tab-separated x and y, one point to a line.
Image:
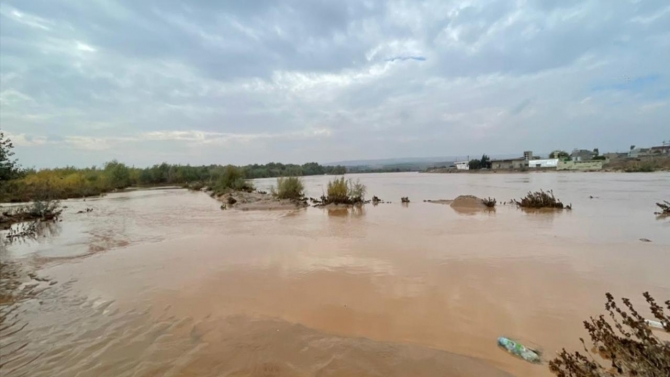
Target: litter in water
519	350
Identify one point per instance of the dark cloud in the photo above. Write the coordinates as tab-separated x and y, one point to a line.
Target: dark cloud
202	81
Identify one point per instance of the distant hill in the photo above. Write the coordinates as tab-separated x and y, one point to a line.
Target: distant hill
392	161
406	163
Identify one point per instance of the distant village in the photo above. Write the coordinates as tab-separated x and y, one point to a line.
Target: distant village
636	159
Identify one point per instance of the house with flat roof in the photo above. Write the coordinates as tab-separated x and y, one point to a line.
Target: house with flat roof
508	163
462	165
582	155
663	150
639	152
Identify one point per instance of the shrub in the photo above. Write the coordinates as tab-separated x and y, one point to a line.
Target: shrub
625	340
45	209
343	191
491	203
232	178
357	190
665	208
289	188
338	190
541	199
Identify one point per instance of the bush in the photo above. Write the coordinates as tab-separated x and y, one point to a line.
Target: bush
232	178
289	188
629	345
665	208
491	203
338	190
45	209
357	190
541	199
343	191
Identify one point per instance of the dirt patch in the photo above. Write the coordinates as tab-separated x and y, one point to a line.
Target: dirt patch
256	201
462	202
468	201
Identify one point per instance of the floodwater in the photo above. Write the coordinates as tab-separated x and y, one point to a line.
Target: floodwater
164	283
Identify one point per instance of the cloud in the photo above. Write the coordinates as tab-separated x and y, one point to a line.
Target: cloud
243	82
403	58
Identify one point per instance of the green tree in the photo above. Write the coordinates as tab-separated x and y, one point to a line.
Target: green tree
485	162
474	164
118	174
8	166
562	155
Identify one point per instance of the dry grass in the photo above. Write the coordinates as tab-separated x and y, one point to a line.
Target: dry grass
625	341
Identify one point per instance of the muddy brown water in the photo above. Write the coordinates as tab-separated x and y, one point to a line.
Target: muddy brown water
164	283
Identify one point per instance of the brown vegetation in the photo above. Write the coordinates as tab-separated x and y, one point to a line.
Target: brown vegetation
541	199
665	208
490	203
639	165
625	341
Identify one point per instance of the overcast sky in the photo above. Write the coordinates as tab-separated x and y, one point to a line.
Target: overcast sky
83	82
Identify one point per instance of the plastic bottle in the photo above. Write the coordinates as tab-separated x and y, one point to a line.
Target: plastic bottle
518	349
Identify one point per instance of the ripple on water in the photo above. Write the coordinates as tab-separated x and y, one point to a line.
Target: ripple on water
58	335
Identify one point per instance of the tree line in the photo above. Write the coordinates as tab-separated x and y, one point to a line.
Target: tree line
18	185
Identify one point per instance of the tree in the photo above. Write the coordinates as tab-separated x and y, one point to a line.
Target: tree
632	147
8	166
563	155
485	162
118	174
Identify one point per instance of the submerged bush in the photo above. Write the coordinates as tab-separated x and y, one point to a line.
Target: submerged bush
345	191
665	208
541	199
491	203
338	190
357	190
625	341
289	188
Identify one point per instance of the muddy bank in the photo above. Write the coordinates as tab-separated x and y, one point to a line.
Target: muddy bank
258	201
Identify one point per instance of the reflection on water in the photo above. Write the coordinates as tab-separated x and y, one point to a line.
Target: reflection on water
471	211
353	211
165	283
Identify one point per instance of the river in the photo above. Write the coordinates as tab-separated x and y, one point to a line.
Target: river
164	283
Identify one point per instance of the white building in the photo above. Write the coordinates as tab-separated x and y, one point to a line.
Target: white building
462	165
548	163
